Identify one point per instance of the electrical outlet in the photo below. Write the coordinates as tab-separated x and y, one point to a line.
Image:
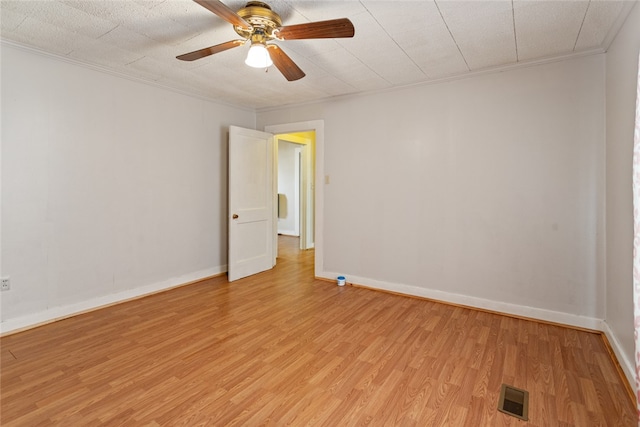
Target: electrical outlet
5	284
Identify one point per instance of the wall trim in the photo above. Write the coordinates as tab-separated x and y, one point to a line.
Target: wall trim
626	370
19	324
626	366
119	74
591	324
446	79
460	76
542	314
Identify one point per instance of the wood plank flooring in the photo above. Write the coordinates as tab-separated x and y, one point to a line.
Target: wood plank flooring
281	348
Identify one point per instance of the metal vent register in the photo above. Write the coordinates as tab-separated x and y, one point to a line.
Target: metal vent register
514	401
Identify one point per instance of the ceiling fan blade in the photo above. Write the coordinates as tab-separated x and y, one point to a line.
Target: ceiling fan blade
287	67
332	29
224	12
192	56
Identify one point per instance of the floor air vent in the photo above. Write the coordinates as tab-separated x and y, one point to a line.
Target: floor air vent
514	401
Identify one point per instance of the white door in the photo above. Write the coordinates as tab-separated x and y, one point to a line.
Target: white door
251	202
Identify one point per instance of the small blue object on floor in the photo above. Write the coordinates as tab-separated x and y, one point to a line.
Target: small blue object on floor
342	280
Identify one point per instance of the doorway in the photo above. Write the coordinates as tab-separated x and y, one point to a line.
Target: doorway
289	186
317	154
295	200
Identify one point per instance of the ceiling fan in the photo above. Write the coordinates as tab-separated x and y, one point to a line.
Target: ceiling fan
258	24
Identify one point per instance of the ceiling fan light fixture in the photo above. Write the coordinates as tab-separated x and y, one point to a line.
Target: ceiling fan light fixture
258	56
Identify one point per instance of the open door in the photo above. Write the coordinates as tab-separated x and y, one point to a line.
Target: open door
251	202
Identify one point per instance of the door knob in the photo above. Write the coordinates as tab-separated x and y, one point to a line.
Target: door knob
235	216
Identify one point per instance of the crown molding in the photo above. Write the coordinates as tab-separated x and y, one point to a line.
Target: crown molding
460	76
105	70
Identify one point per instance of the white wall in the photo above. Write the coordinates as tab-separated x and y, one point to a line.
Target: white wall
287	186
621	81
110	188
486	191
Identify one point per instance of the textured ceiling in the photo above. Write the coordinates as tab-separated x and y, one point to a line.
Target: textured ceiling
397	43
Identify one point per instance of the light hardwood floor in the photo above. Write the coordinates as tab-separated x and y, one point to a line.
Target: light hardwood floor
281	348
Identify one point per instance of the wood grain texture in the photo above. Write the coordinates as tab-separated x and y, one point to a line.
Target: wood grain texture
283	348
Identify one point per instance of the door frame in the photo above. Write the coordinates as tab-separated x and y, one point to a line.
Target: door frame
318	127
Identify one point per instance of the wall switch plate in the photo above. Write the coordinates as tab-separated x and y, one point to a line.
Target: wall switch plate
5	284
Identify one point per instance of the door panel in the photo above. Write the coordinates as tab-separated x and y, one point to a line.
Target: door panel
251	202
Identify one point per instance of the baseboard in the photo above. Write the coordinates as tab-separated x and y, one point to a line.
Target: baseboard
627	369
11	326
626	366
15	325
475	302
289	233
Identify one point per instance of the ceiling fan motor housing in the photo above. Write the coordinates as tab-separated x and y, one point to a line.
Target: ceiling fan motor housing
261	17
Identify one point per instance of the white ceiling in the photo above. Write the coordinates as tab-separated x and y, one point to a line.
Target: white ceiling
397	43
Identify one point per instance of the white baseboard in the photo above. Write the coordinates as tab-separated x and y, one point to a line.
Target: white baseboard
628	366
289	233
58	313
476	302
502	307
